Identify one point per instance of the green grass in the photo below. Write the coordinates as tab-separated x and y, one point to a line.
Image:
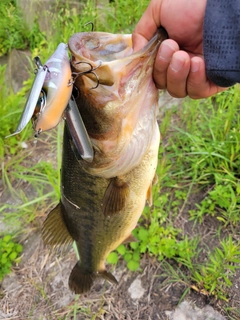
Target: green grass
198	167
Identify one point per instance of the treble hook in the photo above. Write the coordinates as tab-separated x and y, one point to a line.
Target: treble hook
90	22
91	70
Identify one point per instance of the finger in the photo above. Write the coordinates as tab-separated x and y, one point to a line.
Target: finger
163	58
147	25
177	74
198	85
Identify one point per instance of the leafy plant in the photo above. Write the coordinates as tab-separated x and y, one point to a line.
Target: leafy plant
215	275
13	29
9	252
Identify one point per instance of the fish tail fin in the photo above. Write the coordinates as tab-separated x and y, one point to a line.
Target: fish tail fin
81	281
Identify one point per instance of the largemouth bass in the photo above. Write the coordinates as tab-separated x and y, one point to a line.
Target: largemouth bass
101	201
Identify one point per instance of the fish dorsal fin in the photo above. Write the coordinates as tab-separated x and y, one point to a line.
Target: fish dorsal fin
115	196
129	239
54	231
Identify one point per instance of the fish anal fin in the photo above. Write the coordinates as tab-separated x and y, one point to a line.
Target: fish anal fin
129	239
115	196
54	231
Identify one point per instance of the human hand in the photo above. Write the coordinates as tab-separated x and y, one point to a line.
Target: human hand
179	65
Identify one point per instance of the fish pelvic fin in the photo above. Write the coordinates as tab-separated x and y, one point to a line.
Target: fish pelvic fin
54	231
130	238
81	281
115	196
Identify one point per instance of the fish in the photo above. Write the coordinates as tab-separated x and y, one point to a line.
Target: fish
102	200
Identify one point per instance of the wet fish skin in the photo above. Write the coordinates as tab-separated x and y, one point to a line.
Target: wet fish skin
99	211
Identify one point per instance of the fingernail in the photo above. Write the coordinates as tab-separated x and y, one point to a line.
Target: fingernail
177	63
166	52
194	66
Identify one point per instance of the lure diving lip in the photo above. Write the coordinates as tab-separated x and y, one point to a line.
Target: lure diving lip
33	96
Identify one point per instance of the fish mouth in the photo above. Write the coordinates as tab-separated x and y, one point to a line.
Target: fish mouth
120	113
101	51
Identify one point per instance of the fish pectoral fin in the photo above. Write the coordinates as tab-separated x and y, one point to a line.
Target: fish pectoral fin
155	180
54	230
149	192
81	281
129	239
115	196
149	196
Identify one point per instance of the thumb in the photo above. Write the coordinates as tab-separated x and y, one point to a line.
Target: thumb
147	25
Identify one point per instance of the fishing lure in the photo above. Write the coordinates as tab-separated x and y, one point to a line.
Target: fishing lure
50	92
50	99
58	88
33	96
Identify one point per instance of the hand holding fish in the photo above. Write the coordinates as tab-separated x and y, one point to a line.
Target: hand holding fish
179	65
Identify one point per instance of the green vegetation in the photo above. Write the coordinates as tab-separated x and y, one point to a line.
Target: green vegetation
198	172
9	252
199	159
215	275
13	30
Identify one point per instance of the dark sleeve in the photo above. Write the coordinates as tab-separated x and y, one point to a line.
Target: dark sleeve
221	41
